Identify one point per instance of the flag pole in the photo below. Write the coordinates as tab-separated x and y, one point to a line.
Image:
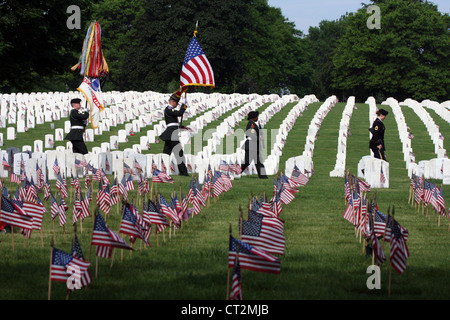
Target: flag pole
50	271
390	262
228	277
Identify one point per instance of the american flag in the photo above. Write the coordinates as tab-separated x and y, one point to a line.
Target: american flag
60	259
255	216
56	166
131	226
102	235
236	284
137	166
35	210
9	215
65	266
297	178
84	207
286	195
217	186
440	201
196	68
78	253
399	250
348	213
252	258
161	177
13	178
60	185
427	192
80	163
169	211
5	163
54	208
382	177
265	237
163	166
127	169
363	186
130	184
153	215
377	248
104	200
224	166
123	188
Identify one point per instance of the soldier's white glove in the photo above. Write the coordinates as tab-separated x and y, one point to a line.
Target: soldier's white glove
183	100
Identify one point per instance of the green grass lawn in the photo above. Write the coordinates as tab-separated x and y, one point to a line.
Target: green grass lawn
324	259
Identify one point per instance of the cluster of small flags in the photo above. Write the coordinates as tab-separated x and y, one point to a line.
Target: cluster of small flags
262	233
426	193
157	211
373	225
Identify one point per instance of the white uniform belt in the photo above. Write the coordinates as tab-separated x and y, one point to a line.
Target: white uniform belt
172	125
77	127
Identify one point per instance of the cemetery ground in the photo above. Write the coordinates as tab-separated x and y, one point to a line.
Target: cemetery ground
324	258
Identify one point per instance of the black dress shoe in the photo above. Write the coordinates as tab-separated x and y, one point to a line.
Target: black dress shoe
263	177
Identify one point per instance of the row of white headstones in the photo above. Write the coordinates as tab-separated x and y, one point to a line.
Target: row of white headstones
47	107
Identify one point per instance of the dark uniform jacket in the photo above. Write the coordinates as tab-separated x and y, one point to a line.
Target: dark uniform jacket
77	119
171	117
252	144
377	131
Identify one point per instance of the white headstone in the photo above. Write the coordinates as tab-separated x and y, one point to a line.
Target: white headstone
11	133
89	135
59	135
114	142
67	126
122	136
49	141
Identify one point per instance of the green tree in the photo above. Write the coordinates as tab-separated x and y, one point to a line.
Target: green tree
275	55
36	45
408	57
323	41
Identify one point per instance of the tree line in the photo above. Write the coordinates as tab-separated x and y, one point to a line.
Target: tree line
251	46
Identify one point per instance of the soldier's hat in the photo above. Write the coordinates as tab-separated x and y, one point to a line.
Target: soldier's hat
383	112
75	100
252	114
174	97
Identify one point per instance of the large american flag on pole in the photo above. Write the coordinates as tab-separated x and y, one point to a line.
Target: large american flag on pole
196	70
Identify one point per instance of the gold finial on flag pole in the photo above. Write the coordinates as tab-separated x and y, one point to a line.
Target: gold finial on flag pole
196	27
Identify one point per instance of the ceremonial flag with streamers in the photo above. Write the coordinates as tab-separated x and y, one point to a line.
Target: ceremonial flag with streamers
92	66
196	70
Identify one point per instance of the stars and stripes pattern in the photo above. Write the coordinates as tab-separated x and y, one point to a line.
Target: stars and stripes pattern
132	225
252	258
266	237
196	70
103	236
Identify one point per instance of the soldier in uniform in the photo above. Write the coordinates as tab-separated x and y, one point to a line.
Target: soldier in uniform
376	143
252	145
78	122
170	135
